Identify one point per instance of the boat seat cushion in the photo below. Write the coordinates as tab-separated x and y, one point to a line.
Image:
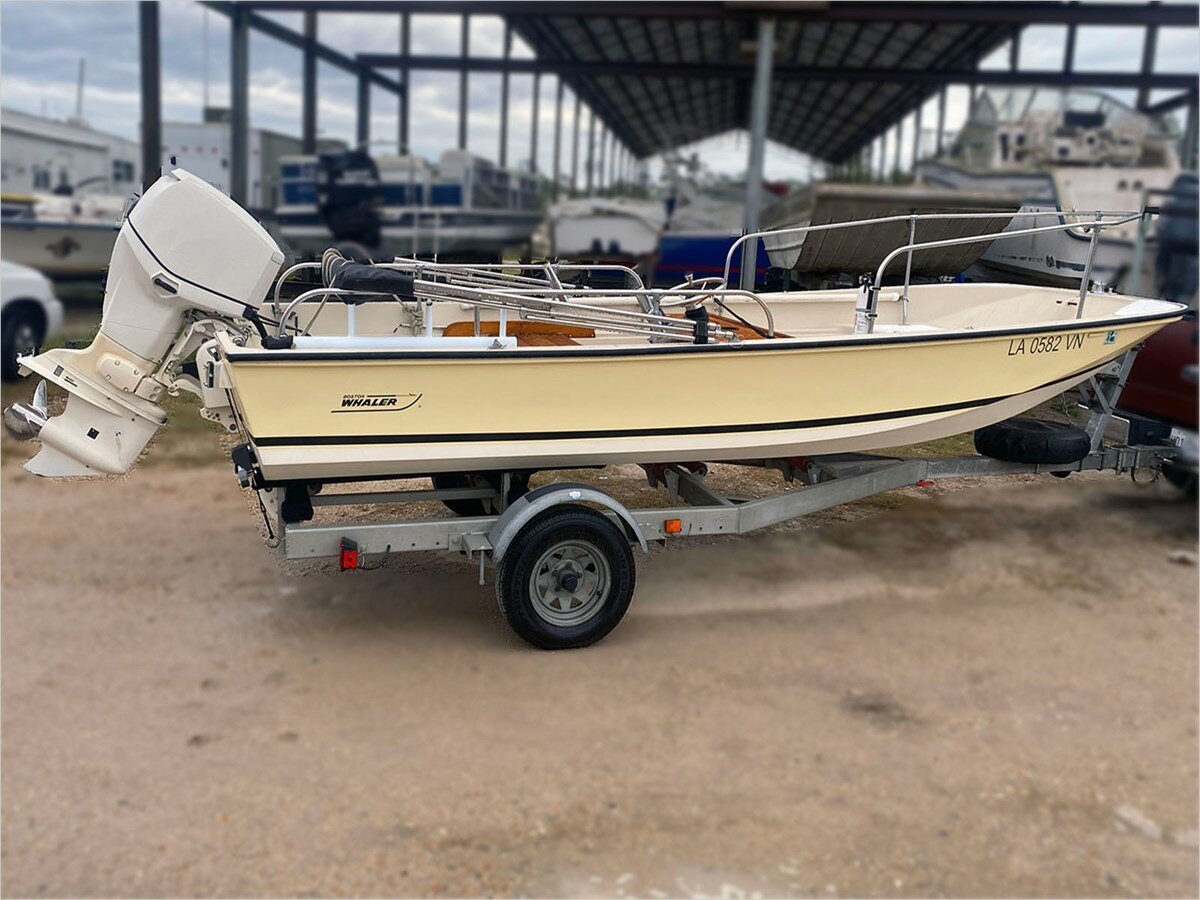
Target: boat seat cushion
352	276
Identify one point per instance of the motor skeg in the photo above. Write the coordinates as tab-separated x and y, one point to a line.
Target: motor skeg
183	247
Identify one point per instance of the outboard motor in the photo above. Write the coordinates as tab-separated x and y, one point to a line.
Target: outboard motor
183	248
349	194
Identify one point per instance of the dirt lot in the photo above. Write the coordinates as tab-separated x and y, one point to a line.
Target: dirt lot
984	691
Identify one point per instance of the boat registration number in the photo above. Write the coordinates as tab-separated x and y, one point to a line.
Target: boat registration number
1044	343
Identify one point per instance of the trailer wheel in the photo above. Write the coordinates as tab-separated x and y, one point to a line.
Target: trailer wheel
567	579
1180	477
22	334
478	507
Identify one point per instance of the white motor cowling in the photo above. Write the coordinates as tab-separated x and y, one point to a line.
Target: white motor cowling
183	247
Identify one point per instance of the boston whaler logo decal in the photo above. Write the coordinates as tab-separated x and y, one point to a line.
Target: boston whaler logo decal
377	402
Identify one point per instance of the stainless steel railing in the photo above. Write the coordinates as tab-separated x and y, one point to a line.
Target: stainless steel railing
1098	224
913	218
540	305
538	291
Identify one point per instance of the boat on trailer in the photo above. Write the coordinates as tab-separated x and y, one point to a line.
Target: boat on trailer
481	375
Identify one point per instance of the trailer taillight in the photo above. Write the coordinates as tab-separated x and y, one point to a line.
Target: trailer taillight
348	554
673	526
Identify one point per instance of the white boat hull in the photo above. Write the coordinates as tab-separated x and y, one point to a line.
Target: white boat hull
605	229
1060	257
59	249
566	406
342	461
481	233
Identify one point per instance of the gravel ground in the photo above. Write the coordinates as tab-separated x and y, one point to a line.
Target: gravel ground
982	691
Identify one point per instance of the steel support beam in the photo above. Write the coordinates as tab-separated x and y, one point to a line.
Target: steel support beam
465	44
591	148
1179	101
600	167
575	149
239	105
504	86
273	29
1149	50
916	154
941	119
556	173
1189	137
362	117
760	105
1069	50
406	80
896	154
783	72
1016	12
308	86
151	93
533	125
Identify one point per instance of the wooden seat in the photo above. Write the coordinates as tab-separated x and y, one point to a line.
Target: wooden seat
545	340
528	334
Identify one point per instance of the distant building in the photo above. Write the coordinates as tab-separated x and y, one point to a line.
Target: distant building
44	155
41	154
203	148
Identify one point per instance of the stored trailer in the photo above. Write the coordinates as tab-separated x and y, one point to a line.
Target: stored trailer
564	552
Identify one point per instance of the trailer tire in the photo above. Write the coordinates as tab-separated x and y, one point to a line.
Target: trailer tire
1181	478
21	332
1033	441
567	579
519	486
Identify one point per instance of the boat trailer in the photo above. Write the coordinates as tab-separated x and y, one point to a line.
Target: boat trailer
564	550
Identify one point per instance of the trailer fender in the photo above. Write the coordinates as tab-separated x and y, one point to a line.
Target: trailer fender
521	512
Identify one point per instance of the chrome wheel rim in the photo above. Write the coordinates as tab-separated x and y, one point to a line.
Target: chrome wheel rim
569	583
25	339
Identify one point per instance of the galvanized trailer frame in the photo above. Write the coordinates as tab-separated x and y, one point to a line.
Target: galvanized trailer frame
696	507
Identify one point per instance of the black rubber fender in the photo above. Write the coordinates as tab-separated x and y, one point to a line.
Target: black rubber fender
1032	441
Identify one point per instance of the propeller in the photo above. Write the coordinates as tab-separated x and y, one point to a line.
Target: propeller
25	420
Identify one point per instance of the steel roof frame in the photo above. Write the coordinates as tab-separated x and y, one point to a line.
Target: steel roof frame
704	85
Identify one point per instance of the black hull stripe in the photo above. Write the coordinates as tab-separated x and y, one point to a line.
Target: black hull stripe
777	345
484	437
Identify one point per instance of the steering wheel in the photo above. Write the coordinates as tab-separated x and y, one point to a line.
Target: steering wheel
703	286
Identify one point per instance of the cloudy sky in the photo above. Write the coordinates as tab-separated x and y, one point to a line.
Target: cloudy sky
43	42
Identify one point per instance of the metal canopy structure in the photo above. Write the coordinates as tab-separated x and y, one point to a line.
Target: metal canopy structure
663	74
824	78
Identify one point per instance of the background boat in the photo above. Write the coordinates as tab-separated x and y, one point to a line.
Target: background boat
468	208
1060	150
64	237
824	256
